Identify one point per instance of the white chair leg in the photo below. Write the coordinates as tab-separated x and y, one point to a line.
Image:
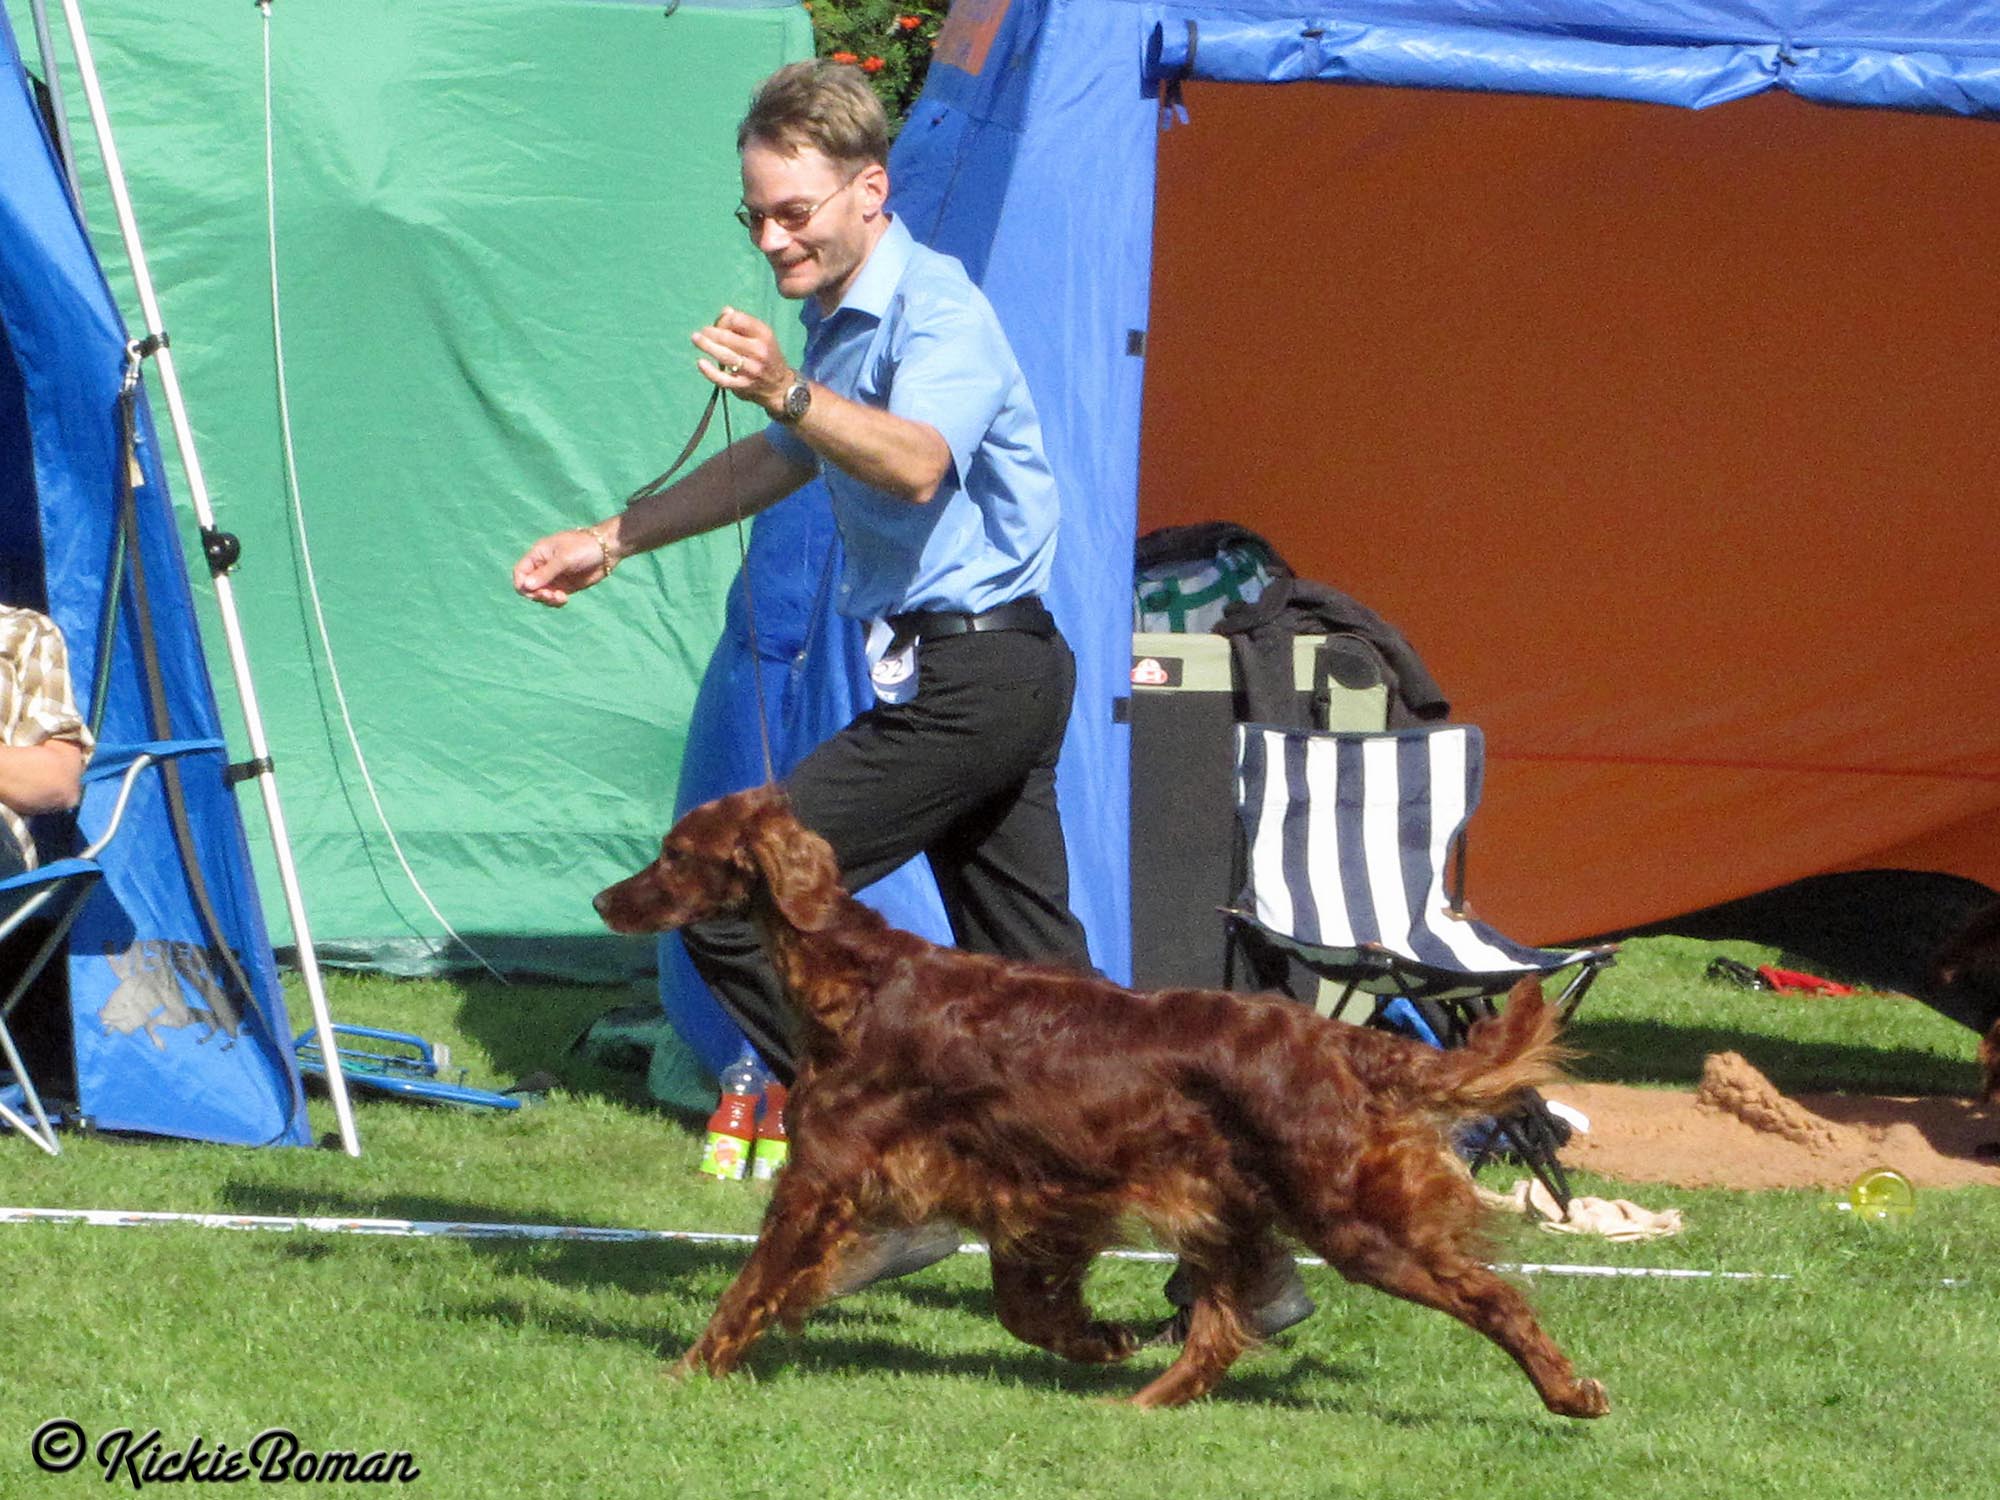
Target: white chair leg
46	1136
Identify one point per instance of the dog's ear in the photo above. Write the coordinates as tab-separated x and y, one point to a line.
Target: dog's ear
798	868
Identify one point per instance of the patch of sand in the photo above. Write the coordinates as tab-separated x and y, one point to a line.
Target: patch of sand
1737	1131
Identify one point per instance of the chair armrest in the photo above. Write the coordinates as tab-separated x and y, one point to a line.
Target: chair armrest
36	888
126	762
116	760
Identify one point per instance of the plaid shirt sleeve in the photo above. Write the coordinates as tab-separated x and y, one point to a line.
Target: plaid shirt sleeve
43	705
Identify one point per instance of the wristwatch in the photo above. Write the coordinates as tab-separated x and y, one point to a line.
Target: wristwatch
797	399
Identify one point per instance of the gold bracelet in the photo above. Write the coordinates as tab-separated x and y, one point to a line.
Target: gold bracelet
596	534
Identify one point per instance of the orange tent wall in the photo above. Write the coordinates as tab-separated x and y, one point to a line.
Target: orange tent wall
1671	440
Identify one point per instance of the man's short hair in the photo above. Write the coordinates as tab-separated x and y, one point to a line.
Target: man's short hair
823	104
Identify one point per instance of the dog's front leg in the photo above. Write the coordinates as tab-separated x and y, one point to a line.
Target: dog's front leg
1222	1281
806	1229
1039	1299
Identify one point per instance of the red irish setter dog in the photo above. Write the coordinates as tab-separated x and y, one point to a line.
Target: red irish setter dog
1051	1112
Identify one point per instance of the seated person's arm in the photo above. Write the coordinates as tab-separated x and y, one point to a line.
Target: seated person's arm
41	778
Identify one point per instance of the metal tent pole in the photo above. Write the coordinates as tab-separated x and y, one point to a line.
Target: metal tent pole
52	81
225	598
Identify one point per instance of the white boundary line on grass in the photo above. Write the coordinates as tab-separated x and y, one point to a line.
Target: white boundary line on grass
448	1229
584	1234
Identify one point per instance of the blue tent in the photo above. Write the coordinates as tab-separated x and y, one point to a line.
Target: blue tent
1032	156
178	1022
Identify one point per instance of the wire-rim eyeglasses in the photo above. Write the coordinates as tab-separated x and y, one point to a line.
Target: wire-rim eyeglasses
791	217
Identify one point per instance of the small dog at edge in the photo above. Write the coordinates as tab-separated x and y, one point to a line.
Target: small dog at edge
1051	1111
1972	959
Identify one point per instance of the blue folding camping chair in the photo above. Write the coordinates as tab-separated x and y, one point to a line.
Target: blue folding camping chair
43	904
1354	848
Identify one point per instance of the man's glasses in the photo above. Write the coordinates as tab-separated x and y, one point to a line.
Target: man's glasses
792	217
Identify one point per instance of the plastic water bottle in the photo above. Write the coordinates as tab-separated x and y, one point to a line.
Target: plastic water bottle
773	1146
1879	1197
726	1155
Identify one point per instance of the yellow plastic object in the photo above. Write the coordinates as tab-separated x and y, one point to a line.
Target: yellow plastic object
1880	1196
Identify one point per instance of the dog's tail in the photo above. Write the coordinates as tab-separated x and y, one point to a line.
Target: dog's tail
1503	1055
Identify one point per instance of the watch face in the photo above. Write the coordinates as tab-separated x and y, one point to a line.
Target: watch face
797	399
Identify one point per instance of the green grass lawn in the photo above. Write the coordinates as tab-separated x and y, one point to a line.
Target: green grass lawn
1849	1368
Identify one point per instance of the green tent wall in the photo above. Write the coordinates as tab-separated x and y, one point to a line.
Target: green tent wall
496	222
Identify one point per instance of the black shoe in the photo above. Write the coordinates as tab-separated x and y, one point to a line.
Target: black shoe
893	1253
1282	1303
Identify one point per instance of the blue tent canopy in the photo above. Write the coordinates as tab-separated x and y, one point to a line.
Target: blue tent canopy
1931	57
165	1040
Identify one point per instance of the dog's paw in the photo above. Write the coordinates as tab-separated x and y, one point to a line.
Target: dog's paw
1587	1399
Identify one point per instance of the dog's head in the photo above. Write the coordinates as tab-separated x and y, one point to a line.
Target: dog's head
714	861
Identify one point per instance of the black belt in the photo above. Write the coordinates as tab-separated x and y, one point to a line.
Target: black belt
1028	614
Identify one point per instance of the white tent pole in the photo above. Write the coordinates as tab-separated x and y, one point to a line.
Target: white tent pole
225	598
52	80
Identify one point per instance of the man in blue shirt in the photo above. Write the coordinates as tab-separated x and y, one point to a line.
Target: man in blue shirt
912	407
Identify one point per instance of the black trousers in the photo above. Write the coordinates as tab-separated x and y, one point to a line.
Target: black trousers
965	772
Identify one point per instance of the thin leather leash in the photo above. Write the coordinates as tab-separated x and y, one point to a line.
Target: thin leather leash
653	486
656	485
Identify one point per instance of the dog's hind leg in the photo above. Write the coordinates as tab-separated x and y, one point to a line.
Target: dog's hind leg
1038	1295
806	1230
1408	1245
1481	1300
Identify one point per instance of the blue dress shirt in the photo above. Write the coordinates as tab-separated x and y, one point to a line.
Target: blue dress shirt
914	336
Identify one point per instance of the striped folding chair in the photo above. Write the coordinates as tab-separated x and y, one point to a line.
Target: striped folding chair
1354	857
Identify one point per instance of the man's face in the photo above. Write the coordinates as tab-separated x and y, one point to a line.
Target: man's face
821	256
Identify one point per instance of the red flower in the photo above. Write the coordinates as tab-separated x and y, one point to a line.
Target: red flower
845	57
871	65
909	23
